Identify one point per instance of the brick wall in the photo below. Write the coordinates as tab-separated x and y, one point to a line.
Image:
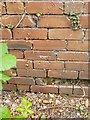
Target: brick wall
40	35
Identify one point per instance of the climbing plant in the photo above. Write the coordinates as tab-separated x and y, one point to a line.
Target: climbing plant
75	20
7	61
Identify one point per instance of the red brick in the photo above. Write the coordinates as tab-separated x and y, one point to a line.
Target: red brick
11	72
44	89
23	87
49	44
8	19
53	21
40	55
87	35
27	33
84	21
77	66
17	53
44	7
79	91
22	80
76	7
84	75
21	63
2	8
15	7
19	44
65	34
31	72
86	7
65	90
9	87
6	34
14	19
75	56
78	45
48	65
65	74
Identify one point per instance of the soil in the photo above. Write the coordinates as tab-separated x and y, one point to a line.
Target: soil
51	105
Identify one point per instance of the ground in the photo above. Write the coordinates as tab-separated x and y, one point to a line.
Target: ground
52	105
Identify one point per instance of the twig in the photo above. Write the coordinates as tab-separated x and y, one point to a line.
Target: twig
54	104
57	107
20	20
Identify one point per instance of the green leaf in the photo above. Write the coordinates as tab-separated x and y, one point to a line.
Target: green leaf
20	116
31	112
29	104
4	112
4	78
43	117
81	108
24	101
19	109
7	62
1	86
25	114
3	49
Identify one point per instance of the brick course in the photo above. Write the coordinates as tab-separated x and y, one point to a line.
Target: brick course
46	46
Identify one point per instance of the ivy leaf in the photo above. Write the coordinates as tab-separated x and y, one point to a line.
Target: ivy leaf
20	116
29	104
31	112
19	109
7	62
3	49
4	78
4	112
43	117
24	101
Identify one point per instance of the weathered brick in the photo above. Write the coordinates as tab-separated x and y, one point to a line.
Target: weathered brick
65	89
21	63
78	45
79	90
2	8
87	35
53	21
9	87
22	80
19	44
40	55
6	34
31	72
66	74
84	75
11	72
23	87
48	65
84	21
14	19
76	7
28	33
15	7
65	34
17	53
86	7
75	56
49	45
44	89
44	7
80	66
